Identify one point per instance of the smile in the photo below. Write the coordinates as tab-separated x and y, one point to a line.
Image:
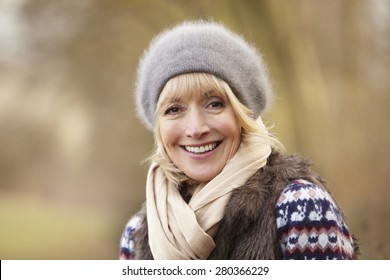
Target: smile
201	149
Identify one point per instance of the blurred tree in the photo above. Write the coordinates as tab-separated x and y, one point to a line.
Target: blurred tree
71	146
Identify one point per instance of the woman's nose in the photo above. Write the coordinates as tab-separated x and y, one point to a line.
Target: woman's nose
196	124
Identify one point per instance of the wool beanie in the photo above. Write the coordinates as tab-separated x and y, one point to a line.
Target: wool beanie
201	46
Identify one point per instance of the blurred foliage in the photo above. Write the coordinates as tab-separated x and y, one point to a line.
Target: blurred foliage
71	147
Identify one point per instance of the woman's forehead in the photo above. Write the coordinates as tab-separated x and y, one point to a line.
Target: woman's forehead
191	95
190	89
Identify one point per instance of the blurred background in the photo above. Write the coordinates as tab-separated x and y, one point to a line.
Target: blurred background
71	147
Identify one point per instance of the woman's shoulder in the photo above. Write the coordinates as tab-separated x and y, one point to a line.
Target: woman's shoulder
304	201
310	224
304	190
127	249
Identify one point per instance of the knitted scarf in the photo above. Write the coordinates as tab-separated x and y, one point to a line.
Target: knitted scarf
178	230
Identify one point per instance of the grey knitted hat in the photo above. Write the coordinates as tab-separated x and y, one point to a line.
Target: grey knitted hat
201	46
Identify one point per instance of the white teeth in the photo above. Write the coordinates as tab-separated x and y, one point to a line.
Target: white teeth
201	149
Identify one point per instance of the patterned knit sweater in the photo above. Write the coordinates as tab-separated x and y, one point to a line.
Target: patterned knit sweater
308	221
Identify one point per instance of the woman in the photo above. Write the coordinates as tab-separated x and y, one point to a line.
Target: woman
219	186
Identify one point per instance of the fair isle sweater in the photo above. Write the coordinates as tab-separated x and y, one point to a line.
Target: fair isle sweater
308	222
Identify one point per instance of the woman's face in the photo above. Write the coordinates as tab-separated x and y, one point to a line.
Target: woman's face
200	134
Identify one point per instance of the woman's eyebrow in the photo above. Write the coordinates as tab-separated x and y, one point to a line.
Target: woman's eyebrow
175	99
211	93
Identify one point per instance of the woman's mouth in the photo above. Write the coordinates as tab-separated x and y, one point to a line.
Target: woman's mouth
202	149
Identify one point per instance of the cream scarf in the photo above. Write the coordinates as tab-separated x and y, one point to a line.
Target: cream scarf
178	230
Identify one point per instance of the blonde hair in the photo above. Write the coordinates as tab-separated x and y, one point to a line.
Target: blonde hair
186	87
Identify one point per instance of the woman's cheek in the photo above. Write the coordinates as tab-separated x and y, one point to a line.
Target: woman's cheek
169	131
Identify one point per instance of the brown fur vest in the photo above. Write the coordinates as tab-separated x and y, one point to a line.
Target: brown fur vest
248	228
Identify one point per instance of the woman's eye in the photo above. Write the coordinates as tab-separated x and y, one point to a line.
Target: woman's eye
173	110
216	105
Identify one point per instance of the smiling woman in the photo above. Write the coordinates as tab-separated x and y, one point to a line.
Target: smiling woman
219	186
199	130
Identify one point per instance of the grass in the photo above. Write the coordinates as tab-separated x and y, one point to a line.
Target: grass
37	228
